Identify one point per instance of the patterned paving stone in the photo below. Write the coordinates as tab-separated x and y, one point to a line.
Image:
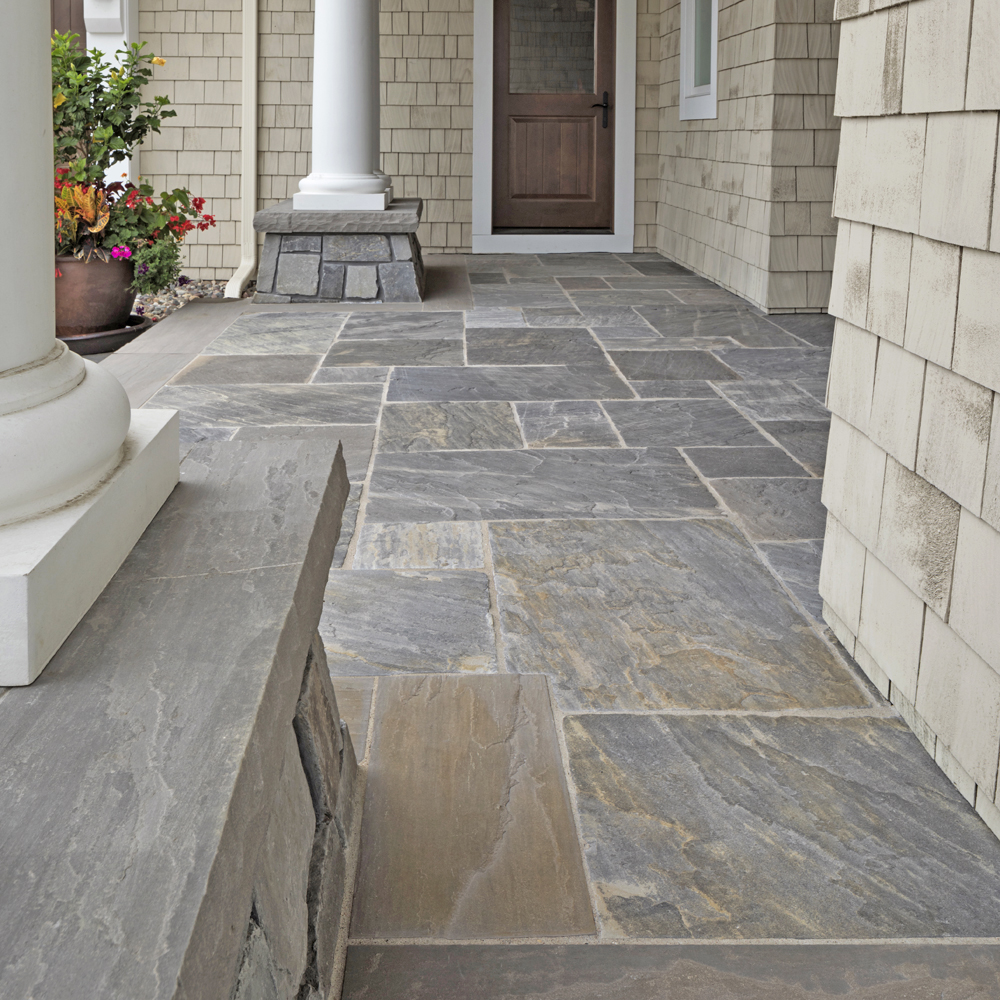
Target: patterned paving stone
561	316
551	482
673	389
493	317
539	383
383	621
354	699
571	424
682	422
775	509
773	400
331	375
777	828
236	369
797	564
554	346
357	441
805	439
410	427
671	365
715	463
628	615
440	545
788	363
381	353
399	325
816	329
279	333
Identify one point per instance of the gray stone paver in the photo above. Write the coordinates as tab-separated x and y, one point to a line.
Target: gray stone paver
651	546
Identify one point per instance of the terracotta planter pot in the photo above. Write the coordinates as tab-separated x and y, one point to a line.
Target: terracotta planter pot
92	296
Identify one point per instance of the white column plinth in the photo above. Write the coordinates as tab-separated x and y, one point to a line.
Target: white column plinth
53	568
345	112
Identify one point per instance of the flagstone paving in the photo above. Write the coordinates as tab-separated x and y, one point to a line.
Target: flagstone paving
611	748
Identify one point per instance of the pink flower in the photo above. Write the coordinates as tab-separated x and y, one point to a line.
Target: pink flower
121	252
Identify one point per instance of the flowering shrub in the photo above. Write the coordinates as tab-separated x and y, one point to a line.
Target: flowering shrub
99	118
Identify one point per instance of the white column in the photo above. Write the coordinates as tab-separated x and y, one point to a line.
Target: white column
345	111
62	420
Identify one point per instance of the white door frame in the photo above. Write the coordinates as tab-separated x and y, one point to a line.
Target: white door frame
484	240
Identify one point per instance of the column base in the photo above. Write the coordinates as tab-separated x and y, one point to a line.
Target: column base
305	201
317	256
53	567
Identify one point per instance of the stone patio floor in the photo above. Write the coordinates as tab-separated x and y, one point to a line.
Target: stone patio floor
573	622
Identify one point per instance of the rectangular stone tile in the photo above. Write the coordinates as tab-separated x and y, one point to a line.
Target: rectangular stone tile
685	365
614	316
383	621
331	375
658	614
400	325
574	284
357	441
677	320
553	346
814	328
518	296
551	482
488	278
682	422
775	509
142	374
779	363
228	406
625	297
673	389
538	383
383	353
639	336
237	369
660	267
187	330
279	333
493	317
354	699
673	972
701	296
566	424
560	316
468	830
439	545
448	426
728	463
816	387
797	564
777	828
805	439
348	524
620	340
773	400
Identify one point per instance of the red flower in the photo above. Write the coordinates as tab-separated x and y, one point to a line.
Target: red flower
198	203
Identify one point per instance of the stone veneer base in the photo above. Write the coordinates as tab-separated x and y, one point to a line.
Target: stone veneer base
357	256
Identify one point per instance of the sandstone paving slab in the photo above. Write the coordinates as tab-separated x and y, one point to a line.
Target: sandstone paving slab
587	298
467	830
793	828
551	346
229	406
614	316
493	317
701	971
675	319
682	422
331	374
775	509
542	483
772	399
574	284
401	325
354	699
381	621
487	278
697	296
645	336
566	424
278	333
357	441
408	427
805	439
518	296
541	382
715	463
777	363
622	340
816	387
650	615
383	353
797	564
814	328
671	364
438	545
557	316
236	369
673	389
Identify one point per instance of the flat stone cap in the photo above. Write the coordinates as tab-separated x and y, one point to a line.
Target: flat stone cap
402	216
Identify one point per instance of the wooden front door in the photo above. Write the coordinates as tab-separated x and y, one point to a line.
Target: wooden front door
553	150
67	15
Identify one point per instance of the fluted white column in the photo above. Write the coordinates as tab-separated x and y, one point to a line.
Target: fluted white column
62	420
345	112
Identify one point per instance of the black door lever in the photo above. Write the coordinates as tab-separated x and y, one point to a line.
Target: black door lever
604	121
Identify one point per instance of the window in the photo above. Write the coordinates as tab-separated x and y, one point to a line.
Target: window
699	50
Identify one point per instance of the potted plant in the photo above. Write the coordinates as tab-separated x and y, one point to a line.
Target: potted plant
113	240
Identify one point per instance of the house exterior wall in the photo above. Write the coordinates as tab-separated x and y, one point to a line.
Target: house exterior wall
745	199
911	567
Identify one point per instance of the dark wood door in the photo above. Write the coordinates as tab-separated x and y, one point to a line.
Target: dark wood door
553	151
67	15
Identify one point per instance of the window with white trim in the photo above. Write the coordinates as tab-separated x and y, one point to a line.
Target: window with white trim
699	54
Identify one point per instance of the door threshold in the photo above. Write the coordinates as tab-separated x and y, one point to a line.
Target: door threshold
520	231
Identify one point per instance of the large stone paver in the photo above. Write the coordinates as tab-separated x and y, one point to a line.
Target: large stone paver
591	492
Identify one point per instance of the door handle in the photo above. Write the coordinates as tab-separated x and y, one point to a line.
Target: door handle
604	117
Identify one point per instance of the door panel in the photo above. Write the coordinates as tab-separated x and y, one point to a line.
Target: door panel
553	157
67	15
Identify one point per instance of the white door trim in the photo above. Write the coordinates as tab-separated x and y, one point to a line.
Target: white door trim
483	238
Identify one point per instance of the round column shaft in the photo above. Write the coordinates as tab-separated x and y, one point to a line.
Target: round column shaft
345	116
62	420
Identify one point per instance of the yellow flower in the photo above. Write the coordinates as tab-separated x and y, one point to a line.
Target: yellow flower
60	99
157	61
